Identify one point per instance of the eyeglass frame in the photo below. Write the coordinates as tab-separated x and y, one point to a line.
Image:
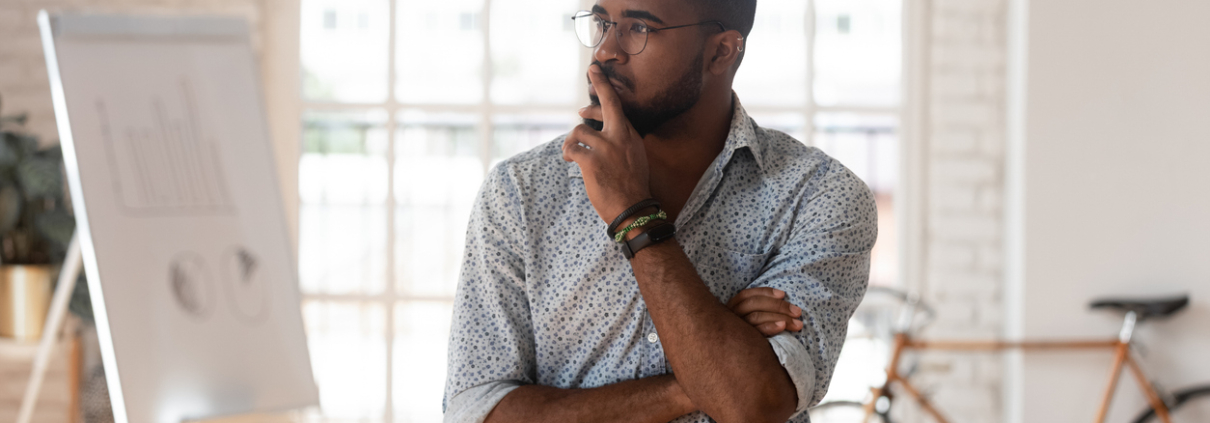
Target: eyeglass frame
650	29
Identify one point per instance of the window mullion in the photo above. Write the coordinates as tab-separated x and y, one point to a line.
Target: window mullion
389	289
808	131
485	114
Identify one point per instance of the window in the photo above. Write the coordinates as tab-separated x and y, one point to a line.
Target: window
407	104
848	105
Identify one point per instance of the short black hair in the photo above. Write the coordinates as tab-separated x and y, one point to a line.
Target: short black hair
734	14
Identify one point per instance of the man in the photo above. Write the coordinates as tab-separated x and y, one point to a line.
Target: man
555	320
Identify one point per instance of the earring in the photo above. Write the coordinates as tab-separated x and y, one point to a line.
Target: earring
740	48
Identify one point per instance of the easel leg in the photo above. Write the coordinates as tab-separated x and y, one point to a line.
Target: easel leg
54	320
1119	359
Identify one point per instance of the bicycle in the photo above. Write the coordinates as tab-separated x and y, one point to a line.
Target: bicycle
1185	405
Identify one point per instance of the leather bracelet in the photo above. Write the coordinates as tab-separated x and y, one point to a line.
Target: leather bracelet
655	235
650	202
620	235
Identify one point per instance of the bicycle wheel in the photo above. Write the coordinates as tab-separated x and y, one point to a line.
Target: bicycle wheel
1188	406
843	412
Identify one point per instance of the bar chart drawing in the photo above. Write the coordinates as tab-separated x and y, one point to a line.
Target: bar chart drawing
169	166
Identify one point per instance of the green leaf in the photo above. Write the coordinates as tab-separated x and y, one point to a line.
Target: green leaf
9	152
54	152
22	144
10	207
56	227
40	177
81	303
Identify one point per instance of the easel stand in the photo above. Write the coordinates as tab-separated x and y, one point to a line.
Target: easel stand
54	320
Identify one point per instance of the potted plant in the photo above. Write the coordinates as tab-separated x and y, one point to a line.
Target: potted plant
36	226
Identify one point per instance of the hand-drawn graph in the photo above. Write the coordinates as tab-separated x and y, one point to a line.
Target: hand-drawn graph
191	284
246	288
170	166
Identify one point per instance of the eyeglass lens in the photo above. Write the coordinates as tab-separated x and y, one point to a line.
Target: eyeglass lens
631	33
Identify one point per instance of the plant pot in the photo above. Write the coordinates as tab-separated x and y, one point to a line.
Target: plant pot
25	292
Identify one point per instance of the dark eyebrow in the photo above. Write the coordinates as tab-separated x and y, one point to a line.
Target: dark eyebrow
642	14
629	13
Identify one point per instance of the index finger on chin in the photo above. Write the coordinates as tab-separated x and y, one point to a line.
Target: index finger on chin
611	107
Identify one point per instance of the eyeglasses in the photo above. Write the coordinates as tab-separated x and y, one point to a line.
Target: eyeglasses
632	33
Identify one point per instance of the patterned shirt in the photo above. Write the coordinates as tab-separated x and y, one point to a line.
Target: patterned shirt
546	297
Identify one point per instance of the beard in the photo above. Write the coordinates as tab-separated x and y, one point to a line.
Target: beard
669	103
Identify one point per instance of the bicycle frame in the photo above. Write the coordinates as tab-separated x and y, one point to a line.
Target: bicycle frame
1122	358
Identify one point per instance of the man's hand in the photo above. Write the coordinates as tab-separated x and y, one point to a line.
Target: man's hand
614	159
767	309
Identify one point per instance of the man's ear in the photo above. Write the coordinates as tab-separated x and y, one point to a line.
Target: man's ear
727	48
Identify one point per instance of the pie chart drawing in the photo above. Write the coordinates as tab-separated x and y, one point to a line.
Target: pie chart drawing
246	285
191	285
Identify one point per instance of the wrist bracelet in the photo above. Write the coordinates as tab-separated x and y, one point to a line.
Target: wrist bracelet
657	234
650	202
638	223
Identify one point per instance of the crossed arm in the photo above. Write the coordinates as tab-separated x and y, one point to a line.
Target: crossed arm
723	363
656	399
761	311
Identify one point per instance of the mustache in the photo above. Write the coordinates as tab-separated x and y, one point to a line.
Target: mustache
596	125
612	73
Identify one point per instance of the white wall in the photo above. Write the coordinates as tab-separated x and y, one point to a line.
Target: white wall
1114	173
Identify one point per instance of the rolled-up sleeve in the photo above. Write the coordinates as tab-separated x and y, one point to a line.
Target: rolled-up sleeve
491	348
824	268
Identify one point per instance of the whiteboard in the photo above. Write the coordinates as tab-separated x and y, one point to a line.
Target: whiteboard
179	215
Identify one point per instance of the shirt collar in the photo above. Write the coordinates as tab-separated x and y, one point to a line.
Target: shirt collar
741	135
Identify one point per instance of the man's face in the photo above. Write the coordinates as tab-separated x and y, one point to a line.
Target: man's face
665	78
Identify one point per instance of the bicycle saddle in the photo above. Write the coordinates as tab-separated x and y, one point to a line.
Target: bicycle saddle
1144	308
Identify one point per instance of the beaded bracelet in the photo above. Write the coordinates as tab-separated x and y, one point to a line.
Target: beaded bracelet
638	223
650	202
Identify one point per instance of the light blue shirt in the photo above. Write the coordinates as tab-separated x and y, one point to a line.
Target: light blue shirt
546	297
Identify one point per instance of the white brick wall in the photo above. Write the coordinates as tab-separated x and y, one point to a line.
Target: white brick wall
965	130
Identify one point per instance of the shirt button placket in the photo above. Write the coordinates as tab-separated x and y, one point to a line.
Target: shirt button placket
654	358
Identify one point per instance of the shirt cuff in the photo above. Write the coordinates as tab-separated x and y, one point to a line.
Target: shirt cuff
474	404
799	365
